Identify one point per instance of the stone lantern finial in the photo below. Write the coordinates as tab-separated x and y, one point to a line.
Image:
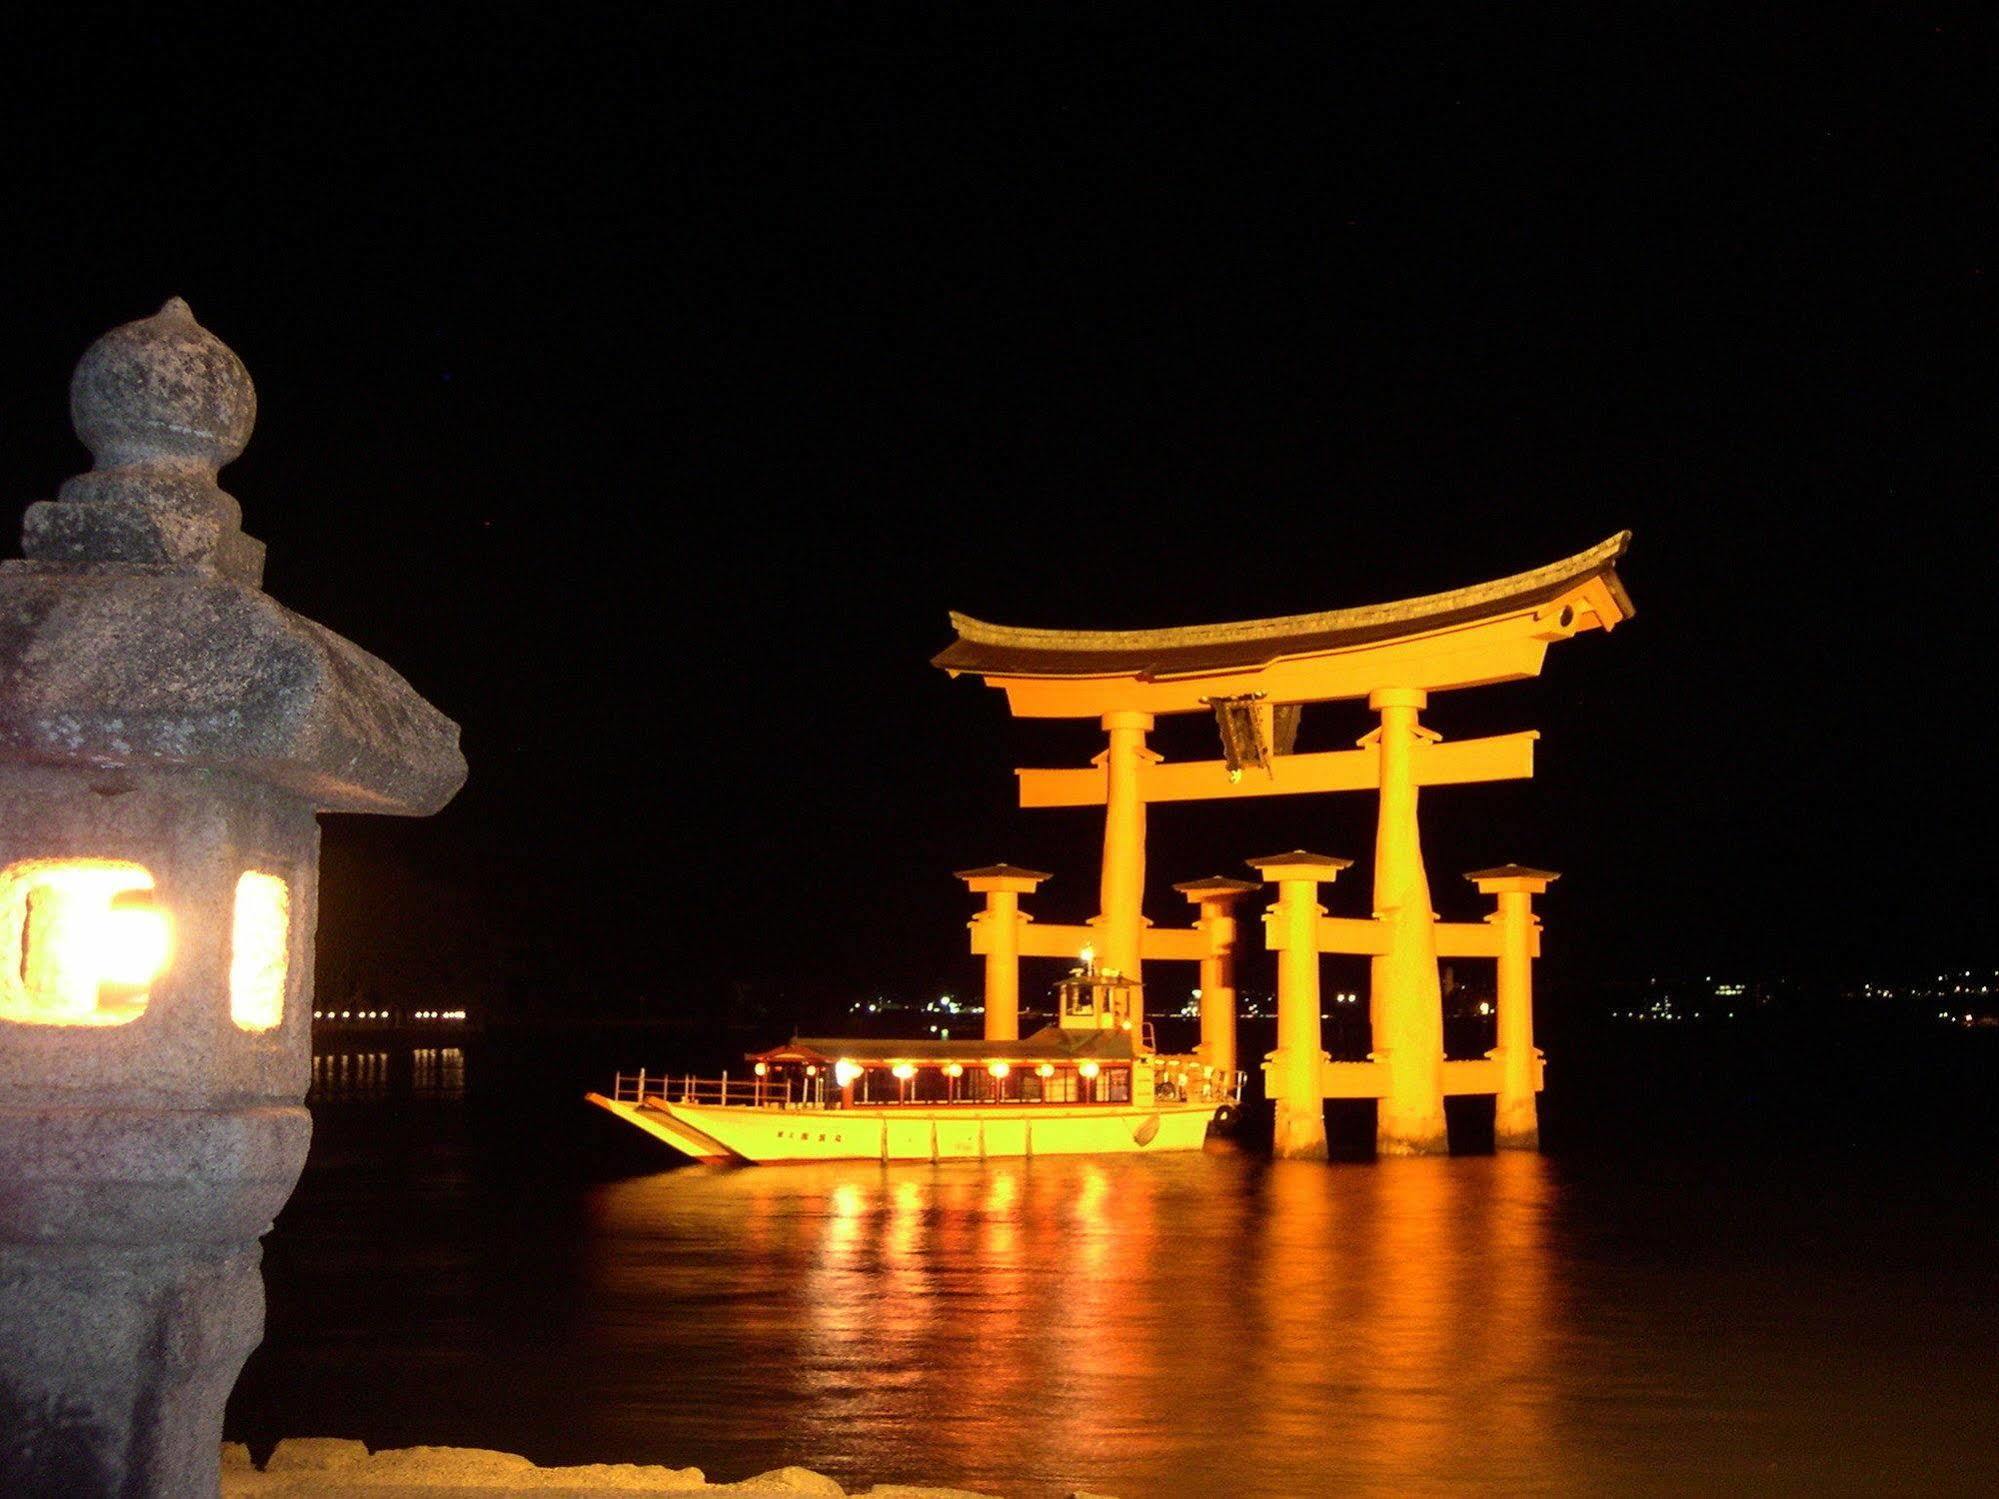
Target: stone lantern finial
162	404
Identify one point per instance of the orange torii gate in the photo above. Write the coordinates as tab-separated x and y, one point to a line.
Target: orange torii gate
1255	676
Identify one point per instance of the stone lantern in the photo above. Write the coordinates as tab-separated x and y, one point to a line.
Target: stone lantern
167	733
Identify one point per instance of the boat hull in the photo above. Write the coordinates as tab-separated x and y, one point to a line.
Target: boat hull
768	1136
664	1128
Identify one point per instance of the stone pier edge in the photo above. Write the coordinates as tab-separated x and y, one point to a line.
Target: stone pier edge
302	1466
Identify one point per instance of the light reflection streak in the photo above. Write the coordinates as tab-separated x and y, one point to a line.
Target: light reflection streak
1205	1324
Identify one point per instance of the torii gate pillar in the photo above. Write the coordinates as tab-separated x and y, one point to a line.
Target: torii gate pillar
1122	916
1406	1004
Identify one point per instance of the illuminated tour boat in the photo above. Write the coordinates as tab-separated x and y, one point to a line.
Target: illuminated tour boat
1086	1085
1093	1081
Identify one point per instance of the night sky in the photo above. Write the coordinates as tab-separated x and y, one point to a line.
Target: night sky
645	383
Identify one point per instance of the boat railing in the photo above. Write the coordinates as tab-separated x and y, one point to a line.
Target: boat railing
675	1087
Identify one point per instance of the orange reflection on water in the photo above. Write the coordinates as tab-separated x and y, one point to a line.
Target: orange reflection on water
1206	1324
1441	1264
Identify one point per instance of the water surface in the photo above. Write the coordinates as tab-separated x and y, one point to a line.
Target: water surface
1213	1324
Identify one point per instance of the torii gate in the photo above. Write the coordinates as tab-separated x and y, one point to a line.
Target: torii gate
1255	676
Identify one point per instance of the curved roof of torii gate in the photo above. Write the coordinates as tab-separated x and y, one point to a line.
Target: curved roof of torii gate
1578	593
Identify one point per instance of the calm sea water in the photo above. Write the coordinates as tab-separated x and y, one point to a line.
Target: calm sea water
492	1268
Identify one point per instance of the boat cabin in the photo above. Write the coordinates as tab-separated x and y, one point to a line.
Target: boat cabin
1053	1065
1090	1055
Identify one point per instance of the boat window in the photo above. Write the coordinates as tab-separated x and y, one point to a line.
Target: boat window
1061	1088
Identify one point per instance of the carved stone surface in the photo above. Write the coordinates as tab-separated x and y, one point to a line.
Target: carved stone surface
134	633
158	710
153	667
162	404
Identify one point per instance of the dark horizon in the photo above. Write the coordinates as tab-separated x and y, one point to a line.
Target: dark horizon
646	392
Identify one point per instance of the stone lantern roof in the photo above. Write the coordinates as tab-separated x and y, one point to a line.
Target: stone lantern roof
134	632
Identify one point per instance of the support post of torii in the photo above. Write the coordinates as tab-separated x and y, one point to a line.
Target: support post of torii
1516	1123
996	931
1216	899
1295	1073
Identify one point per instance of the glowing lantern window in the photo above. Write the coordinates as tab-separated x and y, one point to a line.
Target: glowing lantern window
258	944
80	941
